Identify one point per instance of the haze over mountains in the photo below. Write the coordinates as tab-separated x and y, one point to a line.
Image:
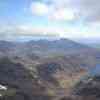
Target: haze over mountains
93	41
43	69
37	46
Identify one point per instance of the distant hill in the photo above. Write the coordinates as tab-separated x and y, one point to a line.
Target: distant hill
42	47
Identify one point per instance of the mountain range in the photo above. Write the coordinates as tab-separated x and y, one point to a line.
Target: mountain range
43	69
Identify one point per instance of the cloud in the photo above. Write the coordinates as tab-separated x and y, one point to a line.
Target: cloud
28	30
84	12
39	9
55	10
89	10
48	31
62	14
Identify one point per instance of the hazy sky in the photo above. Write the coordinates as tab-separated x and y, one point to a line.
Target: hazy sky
52	18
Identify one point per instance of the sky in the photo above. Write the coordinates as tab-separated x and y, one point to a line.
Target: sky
49	18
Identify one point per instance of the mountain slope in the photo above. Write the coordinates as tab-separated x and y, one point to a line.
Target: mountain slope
19	81
50	68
